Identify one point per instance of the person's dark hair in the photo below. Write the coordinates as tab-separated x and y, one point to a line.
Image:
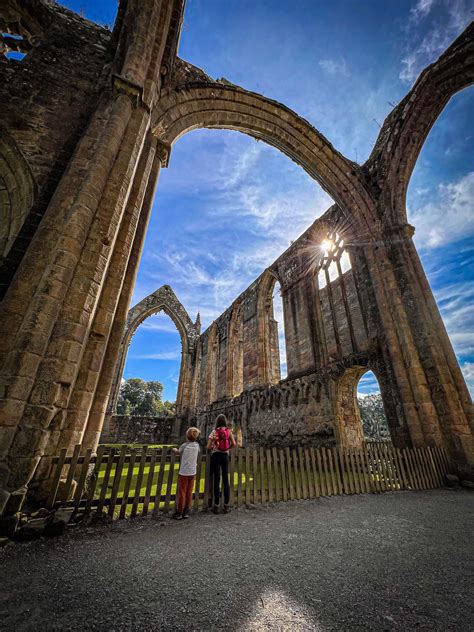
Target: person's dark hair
221	421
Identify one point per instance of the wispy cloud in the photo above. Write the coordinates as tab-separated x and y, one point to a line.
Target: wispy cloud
448	216
456	303
457	15
468	371
165	355
335	66
421	9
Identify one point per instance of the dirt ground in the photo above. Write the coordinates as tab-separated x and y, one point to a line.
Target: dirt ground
399	561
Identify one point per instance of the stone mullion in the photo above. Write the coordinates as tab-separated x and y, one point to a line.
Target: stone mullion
398	342
98	409
229	378
81	398
355	347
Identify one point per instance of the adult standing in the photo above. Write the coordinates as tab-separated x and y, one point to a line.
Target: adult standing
220	442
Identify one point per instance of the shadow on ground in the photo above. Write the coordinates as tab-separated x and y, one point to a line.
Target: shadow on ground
396	561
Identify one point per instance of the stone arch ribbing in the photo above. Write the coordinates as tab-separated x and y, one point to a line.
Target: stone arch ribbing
406	129
212	104
162	300
17	191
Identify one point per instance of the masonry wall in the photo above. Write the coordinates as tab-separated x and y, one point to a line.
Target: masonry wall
46	124
147	430
326	333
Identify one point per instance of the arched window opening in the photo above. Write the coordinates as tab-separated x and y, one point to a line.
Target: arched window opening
154	357
14	46
335	260
279	320
17	191
371	408
360	414
439	206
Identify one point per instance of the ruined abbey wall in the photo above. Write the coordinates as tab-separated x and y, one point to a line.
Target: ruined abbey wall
47	99
326	331
89	118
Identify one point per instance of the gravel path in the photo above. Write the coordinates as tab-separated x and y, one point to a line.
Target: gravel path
389	562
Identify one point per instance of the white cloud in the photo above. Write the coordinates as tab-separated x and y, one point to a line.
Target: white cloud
165	355
448	217
456	303
457	15
468	370
421	9
335	67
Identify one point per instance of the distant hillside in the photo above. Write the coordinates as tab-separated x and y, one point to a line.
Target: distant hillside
374	421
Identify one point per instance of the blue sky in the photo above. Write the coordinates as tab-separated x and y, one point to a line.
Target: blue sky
228	205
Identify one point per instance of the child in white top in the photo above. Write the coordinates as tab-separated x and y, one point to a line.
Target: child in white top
188	455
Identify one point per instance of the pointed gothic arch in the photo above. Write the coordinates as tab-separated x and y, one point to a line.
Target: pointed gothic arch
17	191
162	300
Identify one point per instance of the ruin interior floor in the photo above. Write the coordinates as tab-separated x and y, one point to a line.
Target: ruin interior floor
397	561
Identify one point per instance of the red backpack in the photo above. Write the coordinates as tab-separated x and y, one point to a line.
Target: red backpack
223	441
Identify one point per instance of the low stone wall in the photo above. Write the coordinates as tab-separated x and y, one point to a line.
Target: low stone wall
299	411
149	430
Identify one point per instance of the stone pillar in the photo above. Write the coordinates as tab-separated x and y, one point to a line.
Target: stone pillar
99	406
50	308
42	348
451	403
86	382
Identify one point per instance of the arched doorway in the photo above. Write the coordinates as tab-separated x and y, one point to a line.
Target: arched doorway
354	422
371	408
163	300
155	357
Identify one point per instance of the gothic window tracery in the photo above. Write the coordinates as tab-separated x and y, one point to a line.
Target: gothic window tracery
335	260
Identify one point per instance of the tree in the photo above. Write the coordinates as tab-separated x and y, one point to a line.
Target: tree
373	417
143	399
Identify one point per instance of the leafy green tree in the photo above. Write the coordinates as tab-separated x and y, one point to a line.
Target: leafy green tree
373	417
143	399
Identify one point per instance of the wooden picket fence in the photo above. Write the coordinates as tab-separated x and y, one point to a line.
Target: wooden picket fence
129	482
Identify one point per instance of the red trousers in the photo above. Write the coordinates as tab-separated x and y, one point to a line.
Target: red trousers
185	492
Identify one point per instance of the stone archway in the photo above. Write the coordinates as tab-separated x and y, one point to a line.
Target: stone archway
17	191
63	315
193	100
163	299
348	427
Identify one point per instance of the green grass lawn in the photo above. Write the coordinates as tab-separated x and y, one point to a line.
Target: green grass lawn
298	479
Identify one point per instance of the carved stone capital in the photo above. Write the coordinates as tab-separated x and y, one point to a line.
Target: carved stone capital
121	85
163	151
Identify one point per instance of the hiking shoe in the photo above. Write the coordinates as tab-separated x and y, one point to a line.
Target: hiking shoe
177	515
226	509
215	509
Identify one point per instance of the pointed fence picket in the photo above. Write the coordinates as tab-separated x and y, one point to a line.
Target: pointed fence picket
129	482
